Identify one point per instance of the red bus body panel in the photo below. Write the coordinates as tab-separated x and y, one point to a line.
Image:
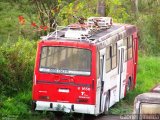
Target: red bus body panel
47	86
132	63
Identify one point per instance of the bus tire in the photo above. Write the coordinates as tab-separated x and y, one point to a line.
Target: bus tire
129	84
106	107
33	106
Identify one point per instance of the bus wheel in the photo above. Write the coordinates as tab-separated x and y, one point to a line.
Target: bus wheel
33	106
129	84
106	107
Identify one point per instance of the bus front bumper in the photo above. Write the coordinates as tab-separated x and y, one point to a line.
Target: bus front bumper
65	107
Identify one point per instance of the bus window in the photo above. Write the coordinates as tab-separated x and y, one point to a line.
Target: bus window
129	47
125	44
128	42
65	60
114	56
108	58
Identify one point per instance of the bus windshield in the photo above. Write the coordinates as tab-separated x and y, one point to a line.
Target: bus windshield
65	60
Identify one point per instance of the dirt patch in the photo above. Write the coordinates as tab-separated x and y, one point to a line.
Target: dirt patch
102	117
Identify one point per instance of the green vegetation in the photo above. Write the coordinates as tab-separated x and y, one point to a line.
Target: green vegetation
17	63
18	46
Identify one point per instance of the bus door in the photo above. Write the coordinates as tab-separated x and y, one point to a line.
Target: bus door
121	73
99	88
101	81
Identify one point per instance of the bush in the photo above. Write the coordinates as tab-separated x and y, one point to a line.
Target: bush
148	32
16	66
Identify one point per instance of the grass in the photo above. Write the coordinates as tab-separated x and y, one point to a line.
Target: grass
19	107
147	77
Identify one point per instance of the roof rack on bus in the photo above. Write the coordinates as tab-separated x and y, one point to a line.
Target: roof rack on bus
81	31
109	34
102	22
54	34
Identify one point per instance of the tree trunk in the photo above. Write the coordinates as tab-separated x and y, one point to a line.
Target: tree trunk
101	8
136	6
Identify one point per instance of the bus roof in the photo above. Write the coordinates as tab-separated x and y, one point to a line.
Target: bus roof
94	36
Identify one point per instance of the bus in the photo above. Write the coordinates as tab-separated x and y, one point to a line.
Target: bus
85	67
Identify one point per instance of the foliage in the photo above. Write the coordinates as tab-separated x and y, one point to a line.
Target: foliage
10	27
8	23
117	10
77	8
45	14
147	20
148	23
149	42
19	107
16	65
16	106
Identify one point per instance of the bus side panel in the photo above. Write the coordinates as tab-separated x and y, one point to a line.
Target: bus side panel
131	66
35	73
132	63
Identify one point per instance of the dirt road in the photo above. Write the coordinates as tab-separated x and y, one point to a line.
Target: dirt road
91	117
102	117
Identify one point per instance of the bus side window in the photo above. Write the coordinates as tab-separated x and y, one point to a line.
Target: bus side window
125	44
128	42
129	47
114	56
108	58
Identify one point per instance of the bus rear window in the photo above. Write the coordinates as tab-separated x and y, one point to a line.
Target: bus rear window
65	60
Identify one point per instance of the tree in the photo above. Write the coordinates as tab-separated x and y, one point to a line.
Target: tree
135	6
47	11
101	8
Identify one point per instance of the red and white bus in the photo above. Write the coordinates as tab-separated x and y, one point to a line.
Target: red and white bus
85	68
